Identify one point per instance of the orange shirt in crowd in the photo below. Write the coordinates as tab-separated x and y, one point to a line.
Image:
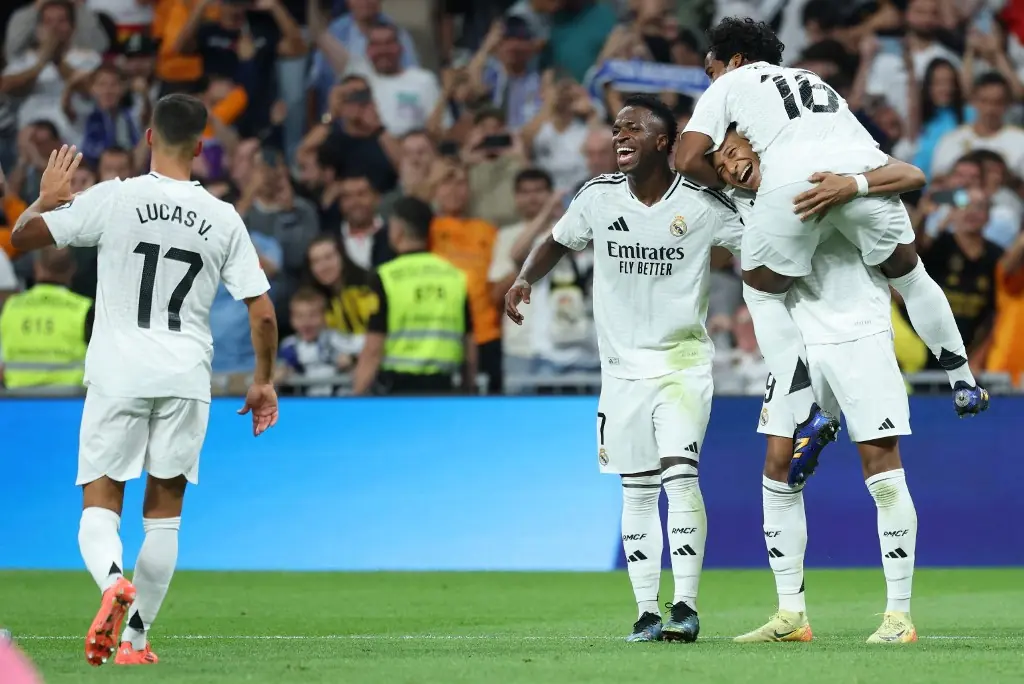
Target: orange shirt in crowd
1007	352
169	18
468	244
13	209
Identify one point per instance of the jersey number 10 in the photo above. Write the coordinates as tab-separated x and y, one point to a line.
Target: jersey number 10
151	255
806	89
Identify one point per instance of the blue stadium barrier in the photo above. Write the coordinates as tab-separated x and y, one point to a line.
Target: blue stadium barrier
497	484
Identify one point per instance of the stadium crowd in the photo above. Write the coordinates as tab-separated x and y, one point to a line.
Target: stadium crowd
324	114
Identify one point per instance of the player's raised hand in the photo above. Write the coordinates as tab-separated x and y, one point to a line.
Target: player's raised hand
518	293
261	400
830	190
55	184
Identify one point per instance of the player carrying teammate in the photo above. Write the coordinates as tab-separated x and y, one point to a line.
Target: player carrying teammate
164	246
652	232
798	125
846	319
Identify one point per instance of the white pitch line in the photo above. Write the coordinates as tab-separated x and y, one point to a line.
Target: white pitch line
453	637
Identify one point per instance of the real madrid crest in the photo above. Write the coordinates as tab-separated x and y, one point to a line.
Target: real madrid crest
678	226
764	416
602	456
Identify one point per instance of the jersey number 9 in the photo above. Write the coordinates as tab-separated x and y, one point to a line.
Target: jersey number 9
151	255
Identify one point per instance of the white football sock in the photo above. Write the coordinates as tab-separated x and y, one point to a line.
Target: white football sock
933	321
687	526
641	538
785	535
100	544
782	346
897	535
152	577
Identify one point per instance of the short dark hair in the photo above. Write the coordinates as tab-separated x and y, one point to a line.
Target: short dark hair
991	78
488	113
50	127
345	80
307	294
66	5
969	158
984	156
354	175
114	149
383	24
179	119
755	40
655	106
825	13
415	214
533	174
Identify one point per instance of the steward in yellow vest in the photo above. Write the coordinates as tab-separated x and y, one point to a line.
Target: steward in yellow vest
421	333
45	331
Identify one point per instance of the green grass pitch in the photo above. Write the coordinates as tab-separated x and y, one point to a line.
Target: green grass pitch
510	628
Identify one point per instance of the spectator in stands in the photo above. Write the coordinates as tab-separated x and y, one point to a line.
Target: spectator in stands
578	33
537	14
46	330
991	100
418	156
556	134
942	110
361	233
420	334
493	156
353	32
468	242
174	25
345	286
40	75
87	31
964	263
83	179
315	351
129	17
538	205
1007	352
114	162
598	152
503	67
352	137
105	119
35	143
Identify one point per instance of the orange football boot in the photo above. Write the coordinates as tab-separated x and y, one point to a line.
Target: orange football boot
127	655
101	640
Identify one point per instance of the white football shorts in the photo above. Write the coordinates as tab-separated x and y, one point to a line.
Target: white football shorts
639	422
121	437
776	237
860	378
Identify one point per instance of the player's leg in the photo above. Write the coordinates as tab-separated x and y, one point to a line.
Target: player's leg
681	413
177	429
777	248
161	519
112	445
625	439
882	230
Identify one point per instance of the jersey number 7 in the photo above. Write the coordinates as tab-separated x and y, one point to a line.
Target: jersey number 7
151	255
806	89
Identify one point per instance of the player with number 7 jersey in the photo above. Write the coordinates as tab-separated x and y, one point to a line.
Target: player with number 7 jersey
164	245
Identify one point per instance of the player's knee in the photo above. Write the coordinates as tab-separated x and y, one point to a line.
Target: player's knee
151	524
777	458
103	493
902	261
164	498
879	456
763	279
640	492
679	477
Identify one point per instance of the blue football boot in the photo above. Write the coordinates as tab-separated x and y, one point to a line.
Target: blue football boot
647	628
969	401
683	623
809	439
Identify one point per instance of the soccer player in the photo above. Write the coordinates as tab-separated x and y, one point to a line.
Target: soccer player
846	319
652	232
798	125
164	246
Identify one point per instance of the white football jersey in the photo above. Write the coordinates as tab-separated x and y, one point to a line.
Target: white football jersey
651	270
842	299
795	122
163	246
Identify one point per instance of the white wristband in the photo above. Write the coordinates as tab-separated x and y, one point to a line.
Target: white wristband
862	185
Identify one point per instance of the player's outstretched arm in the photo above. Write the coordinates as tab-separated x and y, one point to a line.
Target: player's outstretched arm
832	190
538	264
30	231
261	399
691	159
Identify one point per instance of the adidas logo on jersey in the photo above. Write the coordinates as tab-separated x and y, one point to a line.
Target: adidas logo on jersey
620	224
886	425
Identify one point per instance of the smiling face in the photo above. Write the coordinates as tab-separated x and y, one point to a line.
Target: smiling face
638	139
736	163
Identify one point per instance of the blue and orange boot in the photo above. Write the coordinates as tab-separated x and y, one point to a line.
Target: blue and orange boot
969	401
101	641
810	437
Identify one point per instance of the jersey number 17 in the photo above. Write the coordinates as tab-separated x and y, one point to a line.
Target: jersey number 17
151	256
806	90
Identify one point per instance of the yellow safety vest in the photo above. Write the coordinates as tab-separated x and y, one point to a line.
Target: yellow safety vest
426	301
42	337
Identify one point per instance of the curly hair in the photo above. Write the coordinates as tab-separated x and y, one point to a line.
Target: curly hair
659	109
755	40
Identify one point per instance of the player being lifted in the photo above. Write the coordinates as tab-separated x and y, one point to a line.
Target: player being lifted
652	232
164	245
798	125
846	320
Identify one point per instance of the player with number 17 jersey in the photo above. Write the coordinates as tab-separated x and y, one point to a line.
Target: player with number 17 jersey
163	247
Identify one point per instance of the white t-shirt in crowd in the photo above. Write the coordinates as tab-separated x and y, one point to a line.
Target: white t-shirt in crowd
888	75
43	101
558	153
124	12
164	246
404	100
1008	142
515	339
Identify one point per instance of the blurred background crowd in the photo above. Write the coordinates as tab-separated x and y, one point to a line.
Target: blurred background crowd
324	114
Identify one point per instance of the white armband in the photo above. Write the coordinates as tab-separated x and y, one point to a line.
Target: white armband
862	185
